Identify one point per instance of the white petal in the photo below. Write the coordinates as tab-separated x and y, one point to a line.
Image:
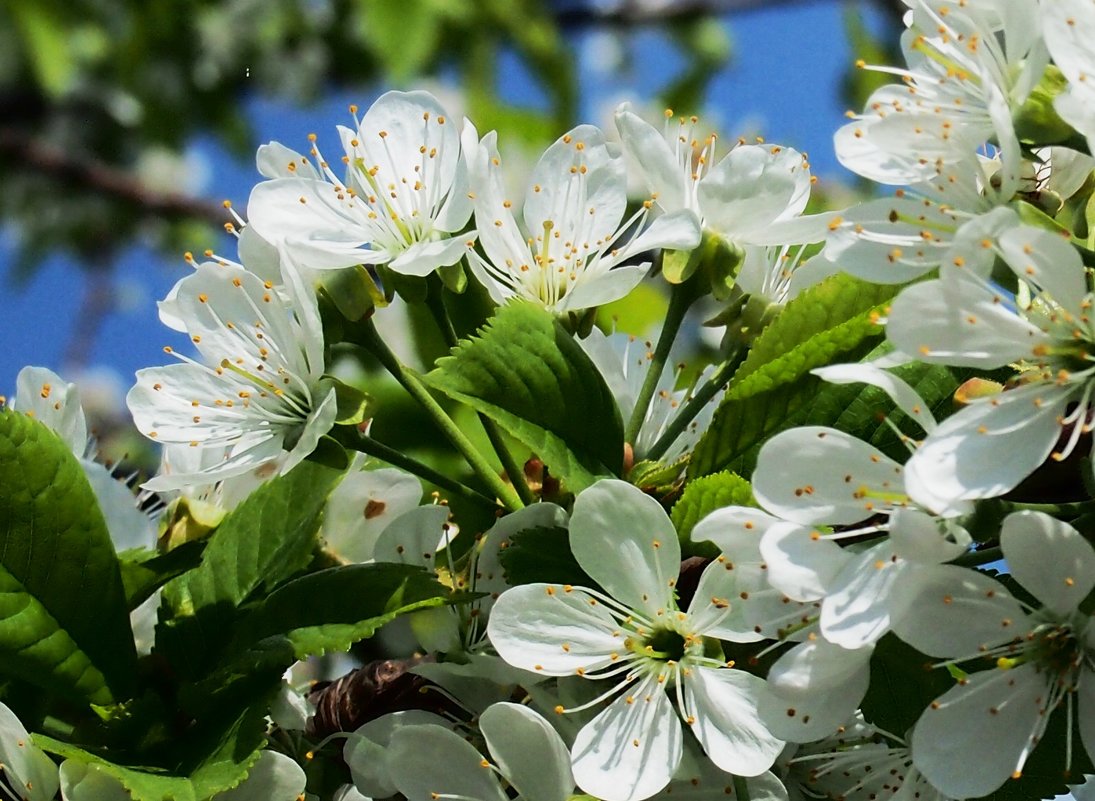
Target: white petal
27	768
275	777
753	187
920	537
857	611
815	475
605	288
724	702
1049	558
803	564
54	402
1048	261
362	506
678	230
956	612
273	160
414	538
625	542
530	625
528	751
81	781
906	398
366	750
651	154
987	448
429	760
814	688
128	526
631	749
488	575
959	320
422	258
977	734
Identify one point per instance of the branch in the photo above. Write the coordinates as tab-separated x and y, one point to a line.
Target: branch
103	179
634	13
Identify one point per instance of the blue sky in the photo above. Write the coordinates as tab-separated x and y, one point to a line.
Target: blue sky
783	82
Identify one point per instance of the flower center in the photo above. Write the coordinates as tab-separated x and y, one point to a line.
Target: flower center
664	644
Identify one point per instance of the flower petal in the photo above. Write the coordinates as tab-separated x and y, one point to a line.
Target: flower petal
977	734
630	750
815	475
514	734
1049	558
727	724
429	761
553	630
624	541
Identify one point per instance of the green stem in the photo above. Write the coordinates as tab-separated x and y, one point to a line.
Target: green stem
979	557
435	302
372	447
741	788
680	300
371	339
694	405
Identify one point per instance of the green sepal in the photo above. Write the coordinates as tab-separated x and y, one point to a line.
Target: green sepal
657	477
186	520
352	291
454	277
329	453
411	288
353	405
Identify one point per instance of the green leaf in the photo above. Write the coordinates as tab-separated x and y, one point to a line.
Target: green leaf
144	571
209	760
332	609
262	543
826	323
46	34
402	33
542	554
703	496
903	683
524	371
64	623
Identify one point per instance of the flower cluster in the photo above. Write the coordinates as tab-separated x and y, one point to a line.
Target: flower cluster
848	556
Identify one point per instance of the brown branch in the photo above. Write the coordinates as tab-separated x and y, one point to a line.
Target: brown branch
630	14
104	179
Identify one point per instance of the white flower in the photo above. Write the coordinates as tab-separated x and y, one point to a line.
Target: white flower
428	761
577	240
1069	31
403	197
969	65
638	637
363	504
258	396
814	686
980	732
859	763
964	319
27	771
624	362
753	197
